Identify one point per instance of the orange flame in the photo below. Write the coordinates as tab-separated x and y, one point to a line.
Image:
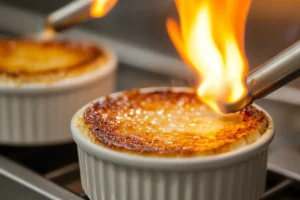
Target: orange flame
100	8
210	39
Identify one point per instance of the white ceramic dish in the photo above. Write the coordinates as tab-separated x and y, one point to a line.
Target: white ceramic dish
37	114
112	175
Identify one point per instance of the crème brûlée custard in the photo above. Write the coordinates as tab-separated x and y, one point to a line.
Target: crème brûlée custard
167	123
37	61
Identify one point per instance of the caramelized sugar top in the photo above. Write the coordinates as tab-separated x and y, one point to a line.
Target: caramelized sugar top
30	59
168	123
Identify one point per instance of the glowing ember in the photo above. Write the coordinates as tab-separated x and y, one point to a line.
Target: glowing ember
101	7
210	39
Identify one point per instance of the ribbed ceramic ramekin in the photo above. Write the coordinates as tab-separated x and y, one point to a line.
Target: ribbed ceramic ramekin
38	114
112	175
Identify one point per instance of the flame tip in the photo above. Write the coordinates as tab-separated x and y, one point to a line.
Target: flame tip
100	8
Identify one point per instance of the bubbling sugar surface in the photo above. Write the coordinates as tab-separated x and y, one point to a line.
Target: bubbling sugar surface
166	122
177	119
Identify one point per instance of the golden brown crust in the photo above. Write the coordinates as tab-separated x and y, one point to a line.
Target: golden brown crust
183	126
27	60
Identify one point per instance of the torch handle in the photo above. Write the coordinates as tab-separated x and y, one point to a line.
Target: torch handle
275	73
69	15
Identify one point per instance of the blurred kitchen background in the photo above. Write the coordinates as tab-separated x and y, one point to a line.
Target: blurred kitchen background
136	30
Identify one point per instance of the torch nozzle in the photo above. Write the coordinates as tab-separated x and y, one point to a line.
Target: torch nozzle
227	108
69	15
268	77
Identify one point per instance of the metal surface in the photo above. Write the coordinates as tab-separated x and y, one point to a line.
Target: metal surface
268	77
33	181
273	190
71	14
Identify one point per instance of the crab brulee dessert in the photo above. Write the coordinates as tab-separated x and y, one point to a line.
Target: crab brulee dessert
36	61
166	123
42	83
165	143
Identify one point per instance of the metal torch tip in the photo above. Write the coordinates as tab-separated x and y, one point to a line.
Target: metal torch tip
236	106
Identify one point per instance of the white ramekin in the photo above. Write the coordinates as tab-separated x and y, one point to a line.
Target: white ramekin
112	175
39	114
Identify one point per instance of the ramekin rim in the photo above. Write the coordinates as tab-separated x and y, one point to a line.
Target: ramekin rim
175	163
67	83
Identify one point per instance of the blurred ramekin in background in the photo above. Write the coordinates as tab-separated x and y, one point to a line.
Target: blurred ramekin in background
108	174
38	113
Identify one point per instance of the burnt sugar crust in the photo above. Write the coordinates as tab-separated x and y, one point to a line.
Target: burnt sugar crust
29	60
166	123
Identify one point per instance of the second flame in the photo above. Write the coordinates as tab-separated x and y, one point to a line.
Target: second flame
100	8
210	39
